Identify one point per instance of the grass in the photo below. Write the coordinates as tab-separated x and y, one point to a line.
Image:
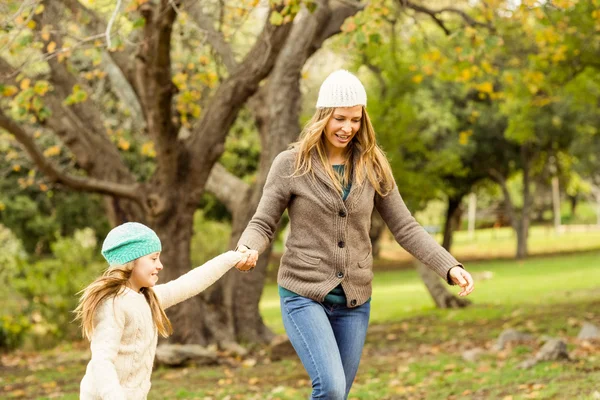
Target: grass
413	351
495	243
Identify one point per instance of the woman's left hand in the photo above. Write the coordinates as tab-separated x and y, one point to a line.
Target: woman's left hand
463	279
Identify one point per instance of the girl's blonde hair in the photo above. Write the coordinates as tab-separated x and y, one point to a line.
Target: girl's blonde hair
108	286
369	160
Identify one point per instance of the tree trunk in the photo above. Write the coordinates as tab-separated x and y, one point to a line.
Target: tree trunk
523	224
438	289
573	200
450	225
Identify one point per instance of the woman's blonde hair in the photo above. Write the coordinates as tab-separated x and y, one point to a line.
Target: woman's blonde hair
108	286
365	158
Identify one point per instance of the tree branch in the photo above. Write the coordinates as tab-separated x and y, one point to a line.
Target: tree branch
229	189
214	37
111	22
155	88
57	175
333	24
434	14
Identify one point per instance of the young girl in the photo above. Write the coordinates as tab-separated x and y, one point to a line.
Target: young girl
330	182
122	312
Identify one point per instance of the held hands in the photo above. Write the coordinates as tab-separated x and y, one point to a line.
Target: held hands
463	279
249	261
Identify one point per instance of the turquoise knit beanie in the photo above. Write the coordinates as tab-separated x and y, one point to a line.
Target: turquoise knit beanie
128	242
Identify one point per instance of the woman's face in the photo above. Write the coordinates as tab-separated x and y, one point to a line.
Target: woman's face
145	271
341	127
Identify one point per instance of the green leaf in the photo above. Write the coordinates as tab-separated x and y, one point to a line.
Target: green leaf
276	18
139	23
361	38
375	38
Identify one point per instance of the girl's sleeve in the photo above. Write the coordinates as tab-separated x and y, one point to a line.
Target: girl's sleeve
108	329
411	236
196	280
274	200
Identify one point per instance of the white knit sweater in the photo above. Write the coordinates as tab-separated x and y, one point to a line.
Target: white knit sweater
124	339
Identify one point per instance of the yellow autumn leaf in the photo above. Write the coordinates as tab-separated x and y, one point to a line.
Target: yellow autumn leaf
31	24
41	87
46	36
195	110
463	137
434	55
2	206
25	83
10	90
465	75
124	144
417	78
51	47
487	67
179	80
49	385
43	187
559	55
39	9
16	167
485	87
148	150
52	151
474	116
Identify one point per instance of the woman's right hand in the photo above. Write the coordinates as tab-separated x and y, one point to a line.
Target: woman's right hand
248	262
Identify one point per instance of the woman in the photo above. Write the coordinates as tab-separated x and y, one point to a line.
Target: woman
330	181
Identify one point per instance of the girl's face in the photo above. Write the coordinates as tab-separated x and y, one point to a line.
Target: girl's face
341	127
145	271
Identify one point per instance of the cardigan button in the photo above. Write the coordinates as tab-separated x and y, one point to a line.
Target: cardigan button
342	213
353	302
341	244
340	274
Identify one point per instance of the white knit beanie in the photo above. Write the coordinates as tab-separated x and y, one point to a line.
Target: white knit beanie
341	89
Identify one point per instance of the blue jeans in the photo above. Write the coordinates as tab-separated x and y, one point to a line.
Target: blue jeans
329	340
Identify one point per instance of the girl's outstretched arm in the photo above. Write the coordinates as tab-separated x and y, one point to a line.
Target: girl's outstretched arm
106	338
196	280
